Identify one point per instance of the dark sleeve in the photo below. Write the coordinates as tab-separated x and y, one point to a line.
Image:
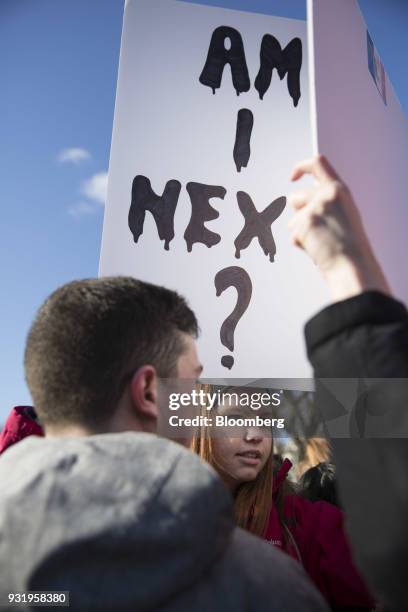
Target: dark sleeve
343	584
364	336
360	346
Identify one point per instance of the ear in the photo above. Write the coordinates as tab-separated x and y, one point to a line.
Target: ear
143	392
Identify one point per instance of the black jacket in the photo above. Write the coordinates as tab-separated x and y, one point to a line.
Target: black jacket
359	352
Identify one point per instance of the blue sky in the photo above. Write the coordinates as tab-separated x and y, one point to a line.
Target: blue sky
58	62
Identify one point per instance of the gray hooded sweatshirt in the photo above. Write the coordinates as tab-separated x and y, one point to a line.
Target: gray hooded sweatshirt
131	521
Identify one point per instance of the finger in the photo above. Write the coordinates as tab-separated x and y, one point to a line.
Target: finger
295	241
296	223
297	219
303	217
296	238
300	229
299	199
319	167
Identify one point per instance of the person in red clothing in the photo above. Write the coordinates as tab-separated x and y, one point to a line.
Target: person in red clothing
268	506
313	533
21	422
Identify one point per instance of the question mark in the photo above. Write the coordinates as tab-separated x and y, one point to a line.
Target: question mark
237	277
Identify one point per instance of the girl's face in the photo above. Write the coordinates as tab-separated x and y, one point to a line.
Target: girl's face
240	453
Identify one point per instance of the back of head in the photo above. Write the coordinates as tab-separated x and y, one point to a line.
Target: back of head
319	483
90	336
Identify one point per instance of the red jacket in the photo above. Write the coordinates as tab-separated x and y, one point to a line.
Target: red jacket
20	423
315	536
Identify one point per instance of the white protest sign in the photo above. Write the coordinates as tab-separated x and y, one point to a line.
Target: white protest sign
360	126
221	163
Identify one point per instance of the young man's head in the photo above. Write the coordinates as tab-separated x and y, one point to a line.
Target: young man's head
96	349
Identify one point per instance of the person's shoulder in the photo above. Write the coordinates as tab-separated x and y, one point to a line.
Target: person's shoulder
324	513
24	463
140	452
27	447
132	443
313	513
276	581
151	453
106	446
315	525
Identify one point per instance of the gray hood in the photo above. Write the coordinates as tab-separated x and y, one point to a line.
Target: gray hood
146	513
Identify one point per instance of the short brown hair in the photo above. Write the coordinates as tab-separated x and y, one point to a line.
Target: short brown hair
90	334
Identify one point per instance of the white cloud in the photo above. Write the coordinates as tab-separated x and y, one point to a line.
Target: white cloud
74	155
96	187
82	209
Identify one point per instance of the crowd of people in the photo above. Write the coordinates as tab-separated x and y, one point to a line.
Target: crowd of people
97	503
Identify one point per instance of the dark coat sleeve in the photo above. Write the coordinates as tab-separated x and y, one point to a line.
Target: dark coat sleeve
359	351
